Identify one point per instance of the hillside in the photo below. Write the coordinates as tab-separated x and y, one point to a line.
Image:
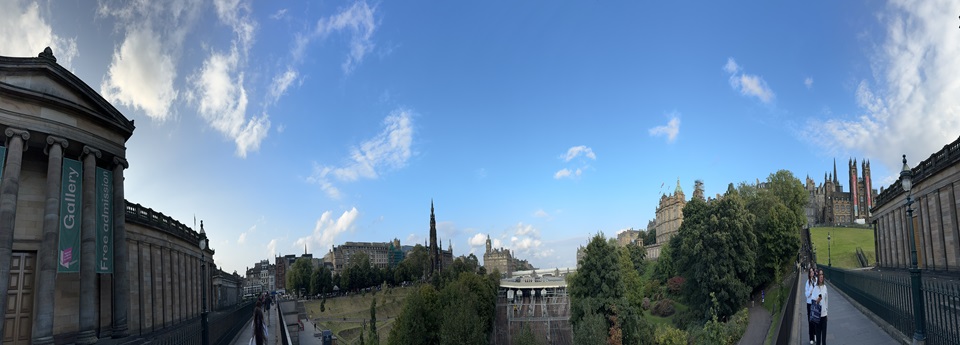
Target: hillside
842	245
345	315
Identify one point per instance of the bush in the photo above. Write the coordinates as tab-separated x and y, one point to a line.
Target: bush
664	308
687	319
668	335
675	284
646	303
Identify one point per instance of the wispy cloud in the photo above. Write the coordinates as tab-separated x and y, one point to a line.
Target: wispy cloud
280	84
584	153
670	130
911	106
357	21
279	14
328	228
388	150
808	82
540	213
748	84
26	32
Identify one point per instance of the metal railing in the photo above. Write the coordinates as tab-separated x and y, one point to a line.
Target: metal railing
224	326
889	297
789	305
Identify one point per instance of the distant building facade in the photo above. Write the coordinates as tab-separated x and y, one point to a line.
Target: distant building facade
381	254
668	220
263	274
227	289
828	204
499	259
629	236
936	223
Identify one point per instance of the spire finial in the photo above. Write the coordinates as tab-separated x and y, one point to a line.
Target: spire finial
47	53
304	248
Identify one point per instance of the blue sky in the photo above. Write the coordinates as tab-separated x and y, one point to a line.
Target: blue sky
283	124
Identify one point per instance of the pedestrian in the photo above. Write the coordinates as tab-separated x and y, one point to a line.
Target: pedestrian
809	287
259	326
824	300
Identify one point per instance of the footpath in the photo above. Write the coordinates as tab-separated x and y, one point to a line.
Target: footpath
273	330
845	323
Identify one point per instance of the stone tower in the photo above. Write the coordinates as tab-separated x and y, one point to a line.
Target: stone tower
434	248
488	244
854	198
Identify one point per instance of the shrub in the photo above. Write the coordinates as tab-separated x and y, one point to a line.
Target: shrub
675	284
668	335
686	319
664	308
646	303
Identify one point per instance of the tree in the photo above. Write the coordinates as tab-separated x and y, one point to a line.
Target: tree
778	211
298	278
374	337
598	292
651	237
526	337
419	320
714	249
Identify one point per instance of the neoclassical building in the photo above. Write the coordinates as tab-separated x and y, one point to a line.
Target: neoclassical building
668	220
936	215
77	262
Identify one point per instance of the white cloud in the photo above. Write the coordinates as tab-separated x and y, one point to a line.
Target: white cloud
748	84
540	213
808	82
563	173
327	229
388	150
577	151
242	239
141	75
357	20
525	242
911	106
670	130
280	84
478	240
279	14
223	102
272	248
26	33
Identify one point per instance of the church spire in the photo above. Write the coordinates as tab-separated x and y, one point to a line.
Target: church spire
835	181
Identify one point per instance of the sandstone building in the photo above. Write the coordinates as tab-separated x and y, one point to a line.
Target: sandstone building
78	262
936	215
830	205
668	220
499	259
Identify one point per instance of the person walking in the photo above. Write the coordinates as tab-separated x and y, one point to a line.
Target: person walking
809	287
259	326
824	299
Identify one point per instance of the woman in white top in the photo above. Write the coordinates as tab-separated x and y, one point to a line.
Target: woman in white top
809	288
824	300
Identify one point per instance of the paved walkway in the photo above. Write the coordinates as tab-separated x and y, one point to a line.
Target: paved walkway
757	327
273	330
845	323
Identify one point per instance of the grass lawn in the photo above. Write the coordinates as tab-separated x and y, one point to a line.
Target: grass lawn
344	315
656	320
843	245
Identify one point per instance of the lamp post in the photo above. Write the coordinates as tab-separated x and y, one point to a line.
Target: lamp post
829	257
919	334
204	326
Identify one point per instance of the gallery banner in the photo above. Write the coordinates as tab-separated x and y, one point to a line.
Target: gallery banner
104	221
3	158
70	196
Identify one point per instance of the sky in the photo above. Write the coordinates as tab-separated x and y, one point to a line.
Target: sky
291	124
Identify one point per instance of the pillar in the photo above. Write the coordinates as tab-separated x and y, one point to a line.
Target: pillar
88	284
121	275
47	257
9	190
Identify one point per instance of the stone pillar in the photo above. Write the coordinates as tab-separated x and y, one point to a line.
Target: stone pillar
9	189
121	275
47	257
88	283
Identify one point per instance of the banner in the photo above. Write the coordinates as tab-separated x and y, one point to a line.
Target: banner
104	221
70	196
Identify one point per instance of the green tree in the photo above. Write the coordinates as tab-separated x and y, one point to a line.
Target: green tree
419	320
598	292
298	278
374	337
651	237
714	249
526	337
778	211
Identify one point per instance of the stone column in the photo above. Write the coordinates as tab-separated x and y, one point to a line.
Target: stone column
121	277
9	189
88	283
47	257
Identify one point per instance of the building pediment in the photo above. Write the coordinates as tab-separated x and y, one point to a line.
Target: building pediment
42	80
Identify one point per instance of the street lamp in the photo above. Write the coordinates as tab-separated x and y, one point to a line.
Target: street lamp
204	326
829	262
919	334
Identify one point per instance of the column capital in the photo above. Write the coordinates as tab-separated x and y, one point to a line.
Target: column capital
88	150
122	162
10	132
54	140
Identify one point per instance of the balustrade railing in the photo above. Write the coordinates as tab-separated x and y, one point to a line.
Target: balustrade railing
888	296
